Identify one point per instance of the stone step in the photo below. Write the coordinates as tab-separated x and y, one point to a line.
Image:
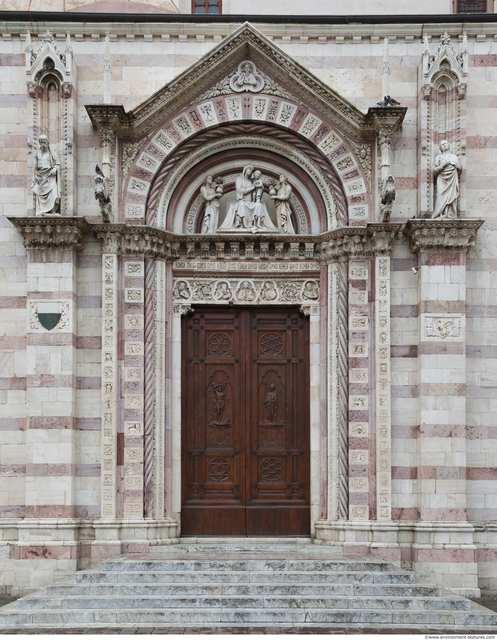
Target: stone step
178	588
208	617
244	602
228	565
377	590
390	577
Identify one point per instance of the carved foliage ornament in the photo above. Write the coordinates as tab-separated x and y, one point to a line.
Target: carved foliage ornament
46	233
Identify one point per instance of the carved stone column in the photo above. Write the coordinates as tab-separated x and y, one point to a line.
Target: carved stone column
383	383
110	387
360	383
136	441
108	119
51	370
442	246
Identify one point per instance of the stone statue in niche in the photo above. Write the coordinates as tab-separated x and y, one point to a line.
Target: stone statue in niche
283	210
246	78
248	213
102	194
387	199
46	180
211	195
446	170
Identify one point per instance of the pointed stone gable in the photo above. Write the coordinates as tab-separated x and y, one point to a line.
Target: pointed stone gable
210	95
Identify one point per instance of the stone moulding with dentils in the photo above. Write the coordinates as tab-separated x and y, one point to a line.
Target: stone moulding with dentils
376	238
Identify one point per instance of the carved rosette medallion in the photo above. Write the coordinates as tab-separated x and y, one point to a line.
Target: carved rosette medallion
219	344
271	344
219	470
271	469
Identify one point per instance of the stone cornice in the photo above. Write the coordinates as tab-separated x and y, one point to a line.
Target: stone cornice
51	232
374	239
358	242
16	23
347	242
442	236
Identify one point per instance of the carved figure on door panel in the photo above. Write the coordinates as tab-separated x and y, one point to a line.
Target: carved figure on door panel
219	402
271	404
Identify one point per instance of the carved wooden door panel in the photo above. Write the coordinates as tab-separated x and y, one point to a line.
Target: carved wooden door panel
277	489
245	434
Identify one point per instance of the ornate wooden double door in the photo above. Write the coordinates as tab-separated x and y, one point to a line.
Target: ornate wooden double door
245	432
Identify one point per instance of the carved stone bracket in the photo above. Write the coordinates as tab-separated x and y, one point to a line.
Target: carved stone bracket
358	242
385	121
442	235
136	241
108	116
51	233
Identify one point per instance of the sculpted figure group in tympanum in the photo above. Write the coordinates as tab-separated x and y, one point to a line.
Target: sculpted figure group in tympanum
249	213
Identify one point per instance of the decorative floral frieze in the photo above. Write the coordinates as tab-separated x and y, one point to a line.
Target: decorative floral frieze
246	291
442	235
51	233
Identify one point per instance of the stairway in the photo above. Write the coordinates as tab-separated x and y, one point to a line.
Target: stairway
247	583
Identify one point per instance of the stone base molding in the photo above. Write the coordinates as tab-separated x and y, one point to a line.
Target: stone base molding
443	552
72	544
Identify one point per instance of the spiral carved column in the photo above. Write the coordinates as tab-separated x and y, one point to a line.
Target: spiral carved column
343	392
148	444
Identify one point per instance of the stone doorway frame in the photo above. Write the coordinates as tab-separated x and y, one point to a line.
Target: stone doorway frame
168	368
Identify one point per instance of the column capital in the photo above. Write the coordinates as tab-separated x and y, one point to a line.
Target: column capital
51	232
358	242
385	121
442	236
136	241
